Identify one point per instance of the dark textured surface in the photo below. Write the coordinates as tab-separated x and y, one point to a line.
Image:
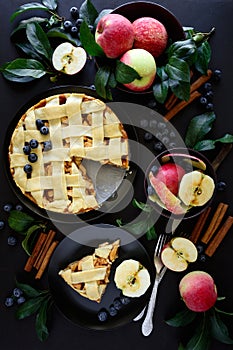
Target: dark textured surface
203	15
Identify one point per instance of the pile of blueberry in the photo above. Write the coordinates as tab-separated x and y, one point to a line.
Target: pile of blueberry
73	24
16	297
117	304
11	240
206	100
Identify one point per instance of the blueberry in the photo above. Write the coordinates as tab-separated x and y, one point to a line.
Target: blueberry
200	248
47	146
44	130
67	25
209	106
148	136
209	95
208	86
154	169
217	73
91	28
203	101
162	125
125	300
102	315
79	22
20	300
9	302
158	146
150	191
19	207
33	143
11	240
74	31
32	157
74	12
112	310
2	225
26	149
8	207
17	292
202	258
221	186
92	87
27	168
117	304
39	123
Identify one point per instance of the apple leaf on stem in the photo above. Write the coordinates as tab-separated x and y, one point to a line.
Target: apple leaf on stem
88	12
182	318
198	127
125	74
88	41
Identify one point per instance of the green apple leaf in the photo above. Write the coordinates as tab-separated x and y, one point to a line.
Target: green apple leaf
182	318
30	307
144	207
101	81
100	15
50	4
41	320
201	338
219	330
160	91
223	312
178	69
29	240
29	291
206	145
28	49
60	34
27	7
23	24
23	70
125	74
198	127
88	41
203	57
88	12
20	221
180	89
39	40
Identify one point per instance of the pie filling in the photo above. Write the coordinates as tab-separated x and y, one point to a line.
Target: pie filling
51	140
90	276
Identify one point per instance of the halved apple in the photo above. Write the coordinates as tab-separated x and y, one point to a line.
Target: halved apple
132	278
178	253
170	201
196	188
68	58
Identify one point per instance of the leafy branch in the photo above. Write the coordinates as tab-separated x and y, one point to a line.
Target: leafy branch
209	326
38	302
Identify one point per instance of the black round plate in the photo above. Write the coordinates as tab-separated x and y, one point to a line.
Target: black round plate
80	243
108	205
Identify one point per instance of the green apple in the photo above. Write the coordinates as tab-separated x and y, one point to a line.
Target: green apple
144	64
68	58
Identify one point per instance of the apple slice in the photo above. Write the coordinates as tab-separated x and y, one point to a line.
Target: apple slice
196	188
68	58
132	278
171	202
194	161
178	253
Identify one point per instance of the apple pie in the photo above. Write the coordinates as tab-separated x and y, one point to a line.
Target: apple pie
89	276
49	143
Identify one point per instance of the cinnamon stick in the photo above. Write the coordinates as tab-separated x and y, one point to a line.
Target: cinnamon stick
37	248
215	222
46	259
200	81
199	225
181	105
219	236
45	247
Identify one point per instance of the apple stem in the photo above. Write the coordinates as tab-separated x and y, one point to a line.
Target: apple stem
200	37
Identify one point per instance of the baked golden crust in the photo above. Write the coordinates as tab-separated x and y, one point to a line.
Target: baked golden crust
79	127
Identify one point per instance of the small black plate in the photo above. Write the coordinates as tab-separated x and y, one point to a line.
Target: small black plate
115	196
79	244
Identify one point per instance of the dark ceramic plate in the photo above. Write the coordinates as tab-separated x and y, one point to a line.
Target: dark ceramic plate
178	160
109	193
79	244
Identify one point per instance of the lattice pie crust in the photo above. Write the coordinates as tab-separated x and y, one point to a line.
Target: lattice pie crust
79	127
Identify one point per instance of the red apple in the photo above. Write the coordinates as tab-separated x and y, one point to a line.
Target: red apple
198	291
150	34
114	33
171	174
144	64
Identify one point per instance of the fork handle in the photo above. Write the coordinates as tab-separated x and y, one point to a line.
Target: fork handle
147	324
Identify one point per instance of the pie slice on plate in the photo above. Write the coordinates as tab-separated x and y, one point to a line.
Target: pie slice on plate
49	143
90	276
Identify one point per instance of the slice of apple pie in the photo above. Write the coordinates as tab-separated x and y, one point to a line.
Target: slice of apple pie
89	276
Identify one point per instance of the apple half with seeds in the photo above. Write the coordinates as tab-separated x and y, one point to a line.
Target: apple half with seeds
178	253
69	59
